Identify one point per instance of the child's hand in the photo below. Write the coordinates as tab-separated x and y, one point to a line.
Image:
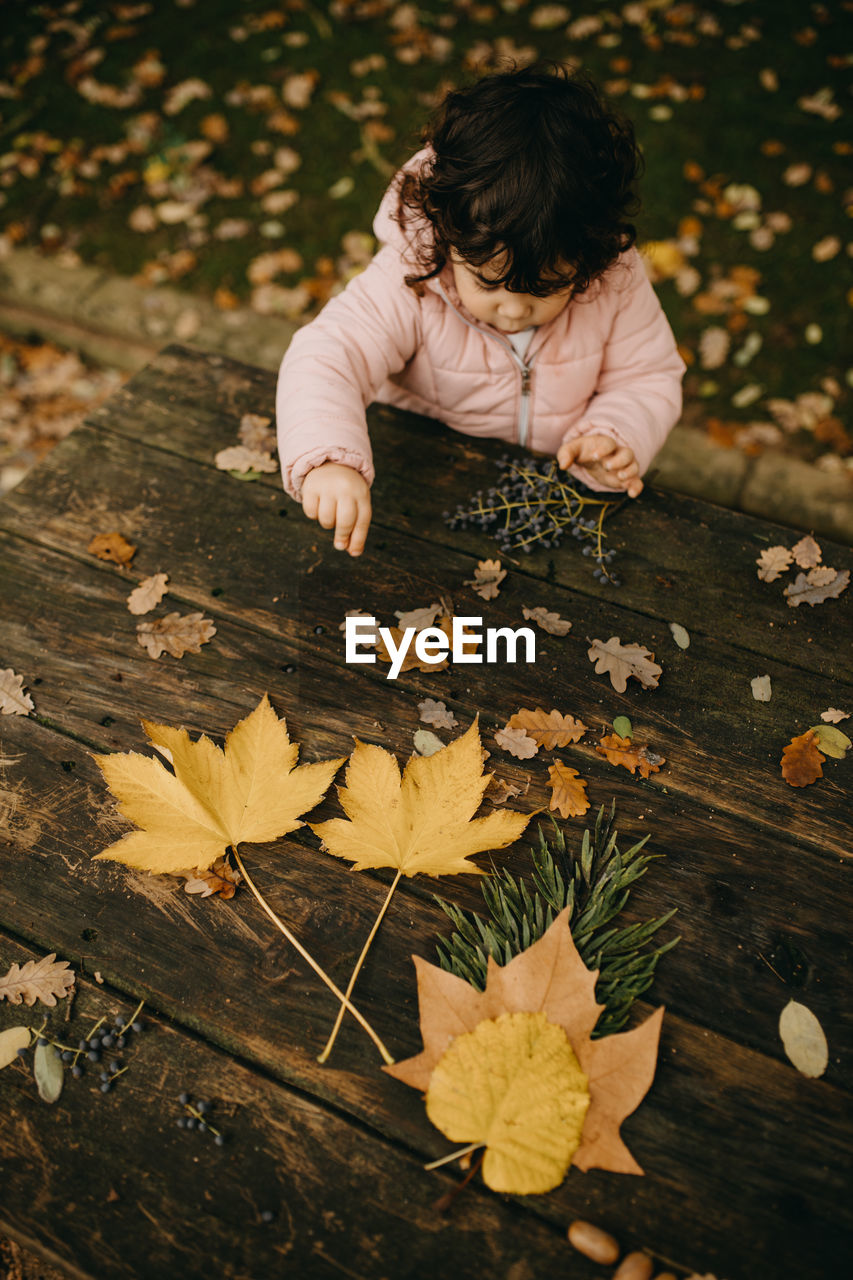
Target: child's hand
339	497
609	463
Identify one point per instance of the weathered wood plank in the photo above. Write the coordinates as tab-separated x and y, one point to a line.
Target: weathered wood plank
674	553
719	1115
232	554
140	1198
736	885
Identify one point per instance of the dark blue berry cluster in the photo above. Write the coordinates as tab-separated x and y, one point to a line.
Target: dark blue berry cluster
100	1048
534	505
196	1116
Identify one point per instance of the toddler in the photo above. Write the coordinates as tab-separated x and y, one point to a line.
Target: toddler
506	300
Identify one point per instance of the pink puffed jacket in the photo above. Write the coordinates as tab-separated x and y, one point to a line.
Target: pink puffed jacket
608	362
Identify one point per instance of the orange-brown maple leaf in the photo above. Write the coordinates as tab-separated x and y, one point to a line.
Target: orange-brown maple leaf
801	760
549	977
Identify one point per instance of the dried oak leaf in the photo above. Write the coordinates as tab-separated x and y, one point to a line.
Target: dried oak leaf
568	791
807	552
499	791
816	586
773	562
418	618
433	712
238	458
623	660
833	716
175	634
422	823
148	594
622	751
514	740
42	980
801	760
549	729
254	432
250	791
487	579
514	1069
112	546
550	622
13	700
221	879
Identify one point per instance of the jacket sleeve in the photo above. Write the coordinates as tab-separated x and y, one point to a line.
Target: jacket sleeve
637	400
335	365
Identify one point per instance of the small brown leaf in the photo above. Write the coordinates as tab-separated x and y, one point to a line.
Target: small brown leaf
814	587
623	660
113	547
516	742
436	713
175	634
807	552
622	751
499	791
148	594
254	432
801	760
833	716
549	728
487	579
238	458
568	791
418	618
42	980
13	700
550	622
773	562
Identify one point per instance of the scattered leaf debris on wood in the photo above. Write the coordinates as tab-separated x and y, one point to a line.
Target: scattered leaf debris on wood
175	634
517	742
568	791
621	751
547	620
680	635
833	716
621	661
816	586
148	594
549	729
761	690
487	579
113	547
434	712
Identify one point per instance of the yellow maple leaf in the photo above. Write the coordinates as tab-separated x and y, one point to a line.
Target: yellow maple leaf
422	823
251	791
492	1076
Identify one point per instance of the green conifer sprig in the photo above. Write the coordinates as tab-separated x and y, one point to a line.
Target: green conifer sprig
595	886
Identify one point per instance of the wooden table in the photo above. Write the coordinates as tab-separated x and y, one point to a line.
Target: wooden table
745	1158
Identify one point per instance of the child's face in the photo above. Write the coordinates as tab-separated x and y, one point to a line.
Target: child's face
498	306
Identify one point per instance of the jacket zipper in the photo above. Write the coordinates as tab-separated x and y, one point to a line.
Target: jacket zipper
526	370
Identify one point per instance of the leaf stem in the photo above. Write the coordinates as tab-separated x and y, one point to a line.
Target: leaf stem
377	922
454	1155
321	973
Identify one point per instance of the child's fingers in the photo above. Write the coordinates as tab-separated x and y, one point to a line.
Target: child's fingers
634	488
359	533
345	517
327	511
310	504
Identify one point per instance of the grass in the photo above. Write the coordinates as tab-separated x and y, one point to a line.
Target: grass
696	79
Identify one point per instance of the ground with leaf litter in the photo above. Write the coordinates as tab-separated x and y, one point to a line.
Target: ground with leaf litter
699	697
243	152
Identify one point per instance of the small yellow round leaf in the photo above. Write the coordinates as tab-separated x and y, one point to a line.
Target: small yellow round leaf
515	1086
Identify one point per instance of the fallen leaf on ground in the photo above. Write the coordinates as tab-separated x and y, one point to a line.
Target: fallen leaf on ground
568	791
11	1040
148	594
831	741
801	760
803	1039
113	547
417	618
549	729
833	715
13	700
221	879
238	458
807	552
487	579
622	725
250	791
516	742
550	622
623	660
816	586
621	751
48	1072
422	823
360	613
175	634
42	980
499	791
773	562
254	432
514	1069
761	690
680	635
427	743
433	712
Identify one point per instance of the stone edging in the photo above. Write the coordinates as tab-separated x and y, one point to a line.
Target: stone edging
117	322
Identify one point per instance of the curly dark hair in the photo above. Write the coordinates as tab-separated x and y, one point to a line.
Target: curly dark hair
530	164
